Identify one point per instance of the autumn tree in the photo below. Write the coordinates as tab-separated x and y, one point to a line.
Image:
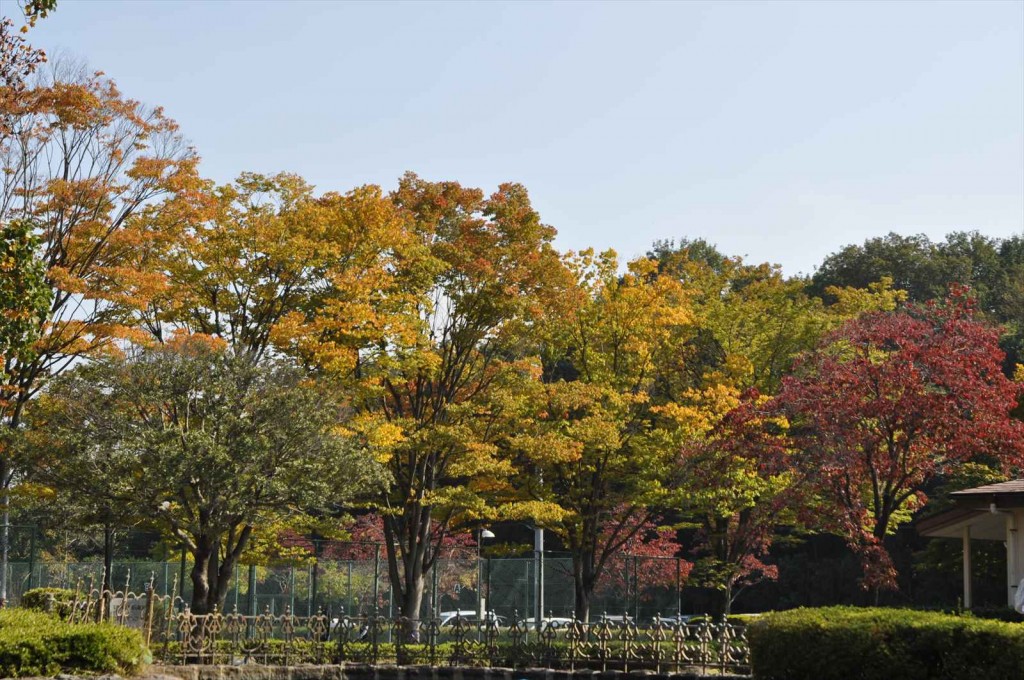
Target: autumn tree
424	407
890	401
751	321
653	553
212	445
592	446
750	325
737	482
272	268
79	162
925	269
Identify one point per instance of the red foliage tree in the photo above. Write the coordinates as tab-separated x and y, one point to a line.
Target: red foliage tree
738	485
457	552
655	549
888	402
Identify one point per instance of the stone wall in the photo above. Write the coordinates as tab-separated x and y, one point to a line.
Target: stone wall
362	672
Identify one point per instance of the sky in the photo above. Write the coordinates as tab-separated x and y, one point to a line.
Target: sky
780	131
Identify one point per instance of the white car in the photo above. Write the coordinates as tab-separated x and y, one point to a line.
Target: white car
559	621
468	615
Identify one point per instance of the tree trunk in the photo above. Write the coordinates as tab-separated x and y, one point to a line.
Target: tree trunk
212	573
201	576
583	584
415	586
108	557
726	602
407	540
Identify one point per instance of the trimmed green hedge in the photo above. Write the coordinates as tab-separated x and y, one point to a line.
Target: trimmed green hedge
850	643
38	599
34	643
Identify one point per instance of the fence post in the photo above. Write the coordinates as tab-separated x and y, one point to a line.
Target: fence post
31	556
291	588
252	590
147	626
348	590
636	591
679	589
181	578
434	604
376	575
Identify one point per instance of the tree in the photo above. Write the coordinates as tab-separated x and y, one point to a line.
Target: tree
910	261
271	268
24	295
80	163
653	551
75	434
890	401
738	482
472	285
215	445
750	321
591	444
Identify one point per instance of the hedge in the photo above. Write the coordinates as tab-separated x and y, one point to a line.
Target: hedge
850	643
35	643
38	599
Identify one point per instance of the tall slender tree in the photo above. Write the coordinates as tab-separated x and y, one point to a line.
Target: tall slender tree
80	163
428	396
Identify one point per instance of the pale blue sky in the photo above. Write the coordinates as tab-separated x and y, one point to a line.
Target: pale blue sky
781	131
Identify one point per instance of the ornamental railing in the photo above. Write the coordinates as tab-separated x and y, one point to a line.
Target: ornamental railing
176	635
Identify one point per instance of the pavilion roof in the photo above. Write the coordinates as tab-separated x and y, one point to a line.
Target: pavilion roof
1013	486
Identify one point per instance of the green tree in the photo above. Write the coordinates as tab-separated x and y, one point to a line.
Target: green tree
211	446
24	294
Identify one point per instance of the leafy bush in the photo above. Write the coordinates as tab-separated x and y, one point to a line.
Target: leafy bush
34	643
997	613
38	599
849	643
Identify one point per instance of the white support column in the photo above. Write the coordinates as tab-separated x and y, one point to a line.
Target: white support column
968	598
1011	557
1017	555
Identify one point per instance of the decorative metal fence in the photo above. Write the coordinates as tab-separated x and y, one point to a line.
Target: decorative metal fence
176	635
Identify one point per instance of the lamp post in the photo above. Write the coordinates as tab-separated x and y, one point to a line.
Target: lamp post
538	577
481	603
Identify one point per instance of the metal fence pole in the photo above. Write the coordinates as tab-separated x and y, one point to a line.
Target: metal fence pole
434	611
31	556
679	587
291	589
376	575
252	590
636	590
181	580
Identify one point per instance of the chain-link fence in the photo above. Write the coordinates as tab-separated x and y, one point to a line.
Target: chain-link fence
635	587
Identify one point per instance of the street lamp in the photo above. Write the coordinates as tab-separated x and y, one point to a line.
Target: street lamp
480	601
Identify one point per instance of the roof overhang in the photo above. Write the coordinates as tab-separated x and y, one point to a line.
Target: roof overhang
983	524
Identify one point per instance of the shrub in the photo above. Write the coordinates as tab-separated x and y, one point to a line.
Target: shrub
38	599
34	643
997	613
849	643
